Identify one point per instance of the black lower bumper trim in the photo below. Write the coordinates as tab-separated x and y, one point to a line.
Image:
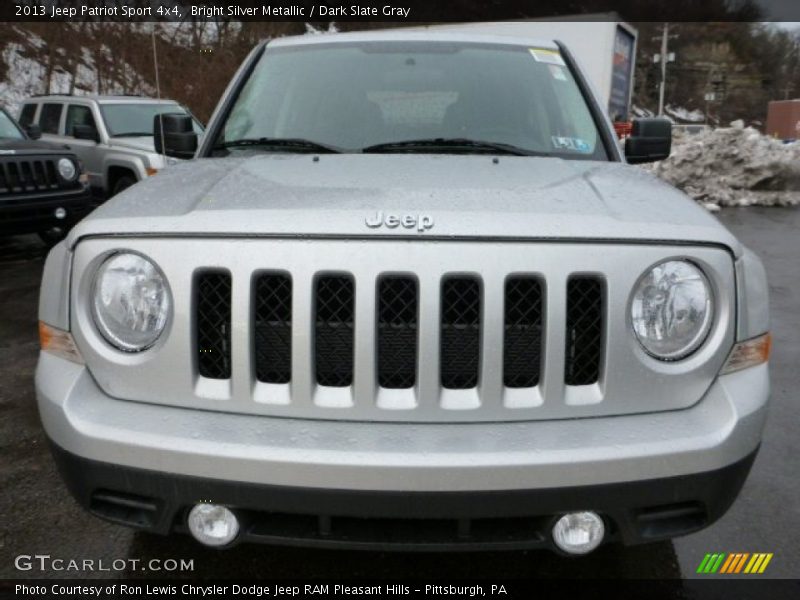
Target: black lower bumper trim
37	213
635	512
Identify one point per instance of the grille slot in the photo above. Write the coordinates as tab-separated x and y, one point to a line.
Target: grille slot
273	328
214	325
13	177
584	343
522	341
333	334
38	174
460	333
52	178
397	332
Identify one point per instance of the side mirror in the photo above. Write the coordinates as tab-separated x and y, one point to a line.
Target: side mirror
179	139
85	132
650	140
34	131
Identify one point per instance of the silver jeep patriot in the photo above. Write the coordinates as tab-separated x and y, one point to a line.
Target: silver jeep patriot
409	294
113	136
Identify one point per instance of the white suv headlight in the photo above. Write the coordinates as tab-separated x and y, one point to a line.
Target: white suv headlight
672	309
132	302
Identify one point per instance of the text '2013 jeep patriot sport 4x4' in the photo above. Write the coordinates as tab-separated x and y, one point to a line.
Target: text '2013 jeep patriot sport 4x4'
408	294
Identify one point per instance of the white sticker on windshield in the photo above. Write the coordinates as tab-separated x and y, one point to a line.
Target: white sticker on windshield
557	72
571	143
546	55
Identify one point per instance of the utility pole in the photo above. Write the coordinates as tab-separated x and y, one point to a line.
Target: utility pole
663	58
662	85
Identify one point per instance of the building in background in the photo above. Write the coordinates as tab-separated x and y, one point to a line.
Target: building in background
783	119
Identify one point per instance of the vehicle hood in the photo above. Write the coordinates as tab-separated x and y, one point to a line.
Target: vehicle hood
145	142
10	147
466	196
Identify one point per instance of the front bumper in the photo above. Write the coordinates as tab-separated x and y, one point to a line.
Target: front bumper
31	213
652	476
634	512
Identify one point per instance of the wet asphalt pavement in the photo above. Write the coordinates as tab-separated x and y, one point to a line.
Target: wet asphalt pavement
37	515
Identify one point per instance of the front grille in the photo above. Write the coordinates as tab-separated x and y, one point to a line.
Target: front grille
584	330
213	323
522	341
461	327
28	175
397	332
273	328
333	333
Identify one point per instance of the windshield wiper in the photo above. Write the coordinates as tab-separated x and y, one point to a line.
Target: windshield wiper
132	134
448	144
290	144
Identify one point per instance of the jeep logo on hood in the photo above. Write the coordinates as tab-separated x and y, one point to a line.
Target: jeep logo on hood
422	222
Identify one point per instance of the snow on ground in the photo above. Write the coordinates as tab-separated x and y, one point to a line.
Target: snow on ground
26	76
733	166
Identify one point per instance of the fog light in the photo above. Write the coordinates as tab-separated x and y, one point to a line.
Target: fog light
579	533
212	524
60	213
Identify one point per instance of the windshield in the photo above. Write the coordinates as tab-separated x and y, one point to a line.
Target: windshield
353	96
137	119
9	129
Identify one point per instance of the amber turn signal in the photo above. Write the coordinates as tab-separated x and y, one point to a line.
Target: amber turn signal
58	342
749	353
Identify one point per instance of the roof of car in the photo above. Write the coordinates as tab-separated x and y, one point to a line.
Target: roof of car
103	99
419	34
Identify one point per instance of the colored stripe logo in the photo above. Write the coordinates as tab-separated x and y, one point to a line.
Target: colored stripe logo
733	563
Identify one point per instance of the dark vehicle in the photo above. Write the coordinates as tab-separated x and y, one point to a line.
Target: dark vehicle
42	186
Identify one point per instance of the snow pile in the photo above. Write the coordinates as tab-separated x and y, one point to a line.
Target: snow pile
676	114
733	166
685	115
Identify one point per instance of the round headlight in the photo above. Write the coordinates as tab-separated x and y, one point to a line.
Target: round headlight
67	170
672	309
131	301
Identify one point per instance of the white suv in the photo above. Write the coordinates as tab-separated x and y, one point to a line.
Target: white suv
112	135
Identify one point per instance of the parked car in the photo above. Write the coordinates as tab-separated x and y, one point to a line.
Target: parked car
112	135
42	187
388	306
